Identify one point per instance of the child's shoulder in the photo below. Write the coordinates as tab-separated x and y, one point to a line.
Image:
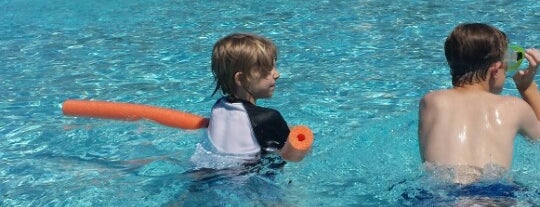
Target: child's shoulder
513	101
437	95
437	100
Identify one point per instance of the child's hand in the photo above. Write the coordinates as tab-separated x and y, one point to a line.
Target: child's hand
525	78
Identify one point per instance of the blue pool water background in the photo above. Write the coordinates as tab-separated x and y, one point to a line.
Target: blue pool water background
351	70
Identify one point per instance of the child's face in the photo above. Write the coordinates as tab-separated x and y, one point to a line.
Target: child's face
263	87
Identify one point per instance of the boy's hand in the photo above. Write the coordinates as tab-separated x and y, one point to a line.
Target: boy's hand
525	78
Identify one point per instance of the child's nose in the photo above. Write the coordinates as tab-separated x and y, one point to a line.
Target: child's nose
276	74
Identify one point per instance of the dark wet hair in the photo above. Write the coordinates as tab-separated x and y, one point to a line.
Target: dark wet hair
470	49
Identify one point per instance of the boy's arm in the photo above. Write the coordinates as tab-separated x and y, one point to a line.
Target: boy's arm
531	95
528	89
525	84
426	119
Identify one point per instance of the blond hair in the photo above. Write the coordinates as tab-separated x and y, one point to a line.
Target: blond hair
241	52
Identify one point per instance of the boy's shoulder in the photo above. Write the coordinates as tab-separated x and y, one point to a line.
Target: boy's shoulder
453	93
437	95
448	96
438	100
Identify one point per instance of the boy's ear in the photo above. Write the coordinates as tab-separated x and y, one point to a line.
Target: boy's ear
238	78
495	67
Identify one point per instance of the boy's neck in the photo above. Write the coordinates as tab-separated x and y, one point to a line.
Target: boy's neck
482	86
245	98
241	93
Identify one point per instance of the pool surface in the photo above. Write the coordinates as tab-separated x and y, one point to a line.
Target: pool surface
353	71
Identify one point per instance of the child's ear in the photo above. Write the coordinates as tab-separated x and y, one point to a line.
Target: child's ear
499	64
495	68
238	78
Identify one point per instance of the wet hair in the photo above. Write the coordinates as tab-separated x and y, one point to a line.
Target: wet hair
241	52
470	49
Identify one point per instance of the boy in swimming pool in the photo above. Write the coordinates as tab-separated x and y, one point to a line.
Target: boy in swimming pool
244	69
470	128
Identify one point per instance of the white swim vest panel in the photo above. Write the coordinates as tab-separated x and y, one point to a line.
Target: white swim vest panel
230	130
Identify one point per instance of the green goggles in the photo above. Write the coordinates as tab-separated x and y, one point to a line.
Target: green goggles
514	57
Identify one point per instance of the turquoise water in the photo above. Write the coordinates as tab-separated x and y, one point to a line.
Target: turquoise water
351	70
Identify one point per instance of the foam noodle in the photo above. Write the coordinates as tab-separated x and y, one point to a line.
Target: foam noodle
298	144
133	112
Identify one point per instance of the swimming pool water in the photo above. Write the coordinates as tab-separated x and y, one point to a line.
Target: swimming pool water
351	70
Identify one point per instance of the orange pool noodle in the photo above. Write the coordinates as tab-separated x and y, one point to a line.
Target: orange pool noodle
133	112
298	144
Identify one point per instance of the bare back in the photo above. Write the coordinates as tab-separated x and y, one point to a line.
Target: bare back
472	128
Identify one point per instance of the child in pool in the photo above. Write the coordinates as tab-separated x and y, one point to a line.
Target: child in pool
471	127
244	69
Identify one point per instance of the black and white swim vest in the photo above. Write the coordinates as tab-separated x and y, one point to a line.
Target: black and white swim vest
242	128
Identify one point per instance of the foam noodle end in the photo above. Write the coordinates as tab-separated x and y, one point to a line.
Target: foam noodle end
298	144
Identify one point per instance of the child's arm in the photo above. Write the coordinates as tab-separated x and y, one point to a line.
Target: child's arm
525	83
